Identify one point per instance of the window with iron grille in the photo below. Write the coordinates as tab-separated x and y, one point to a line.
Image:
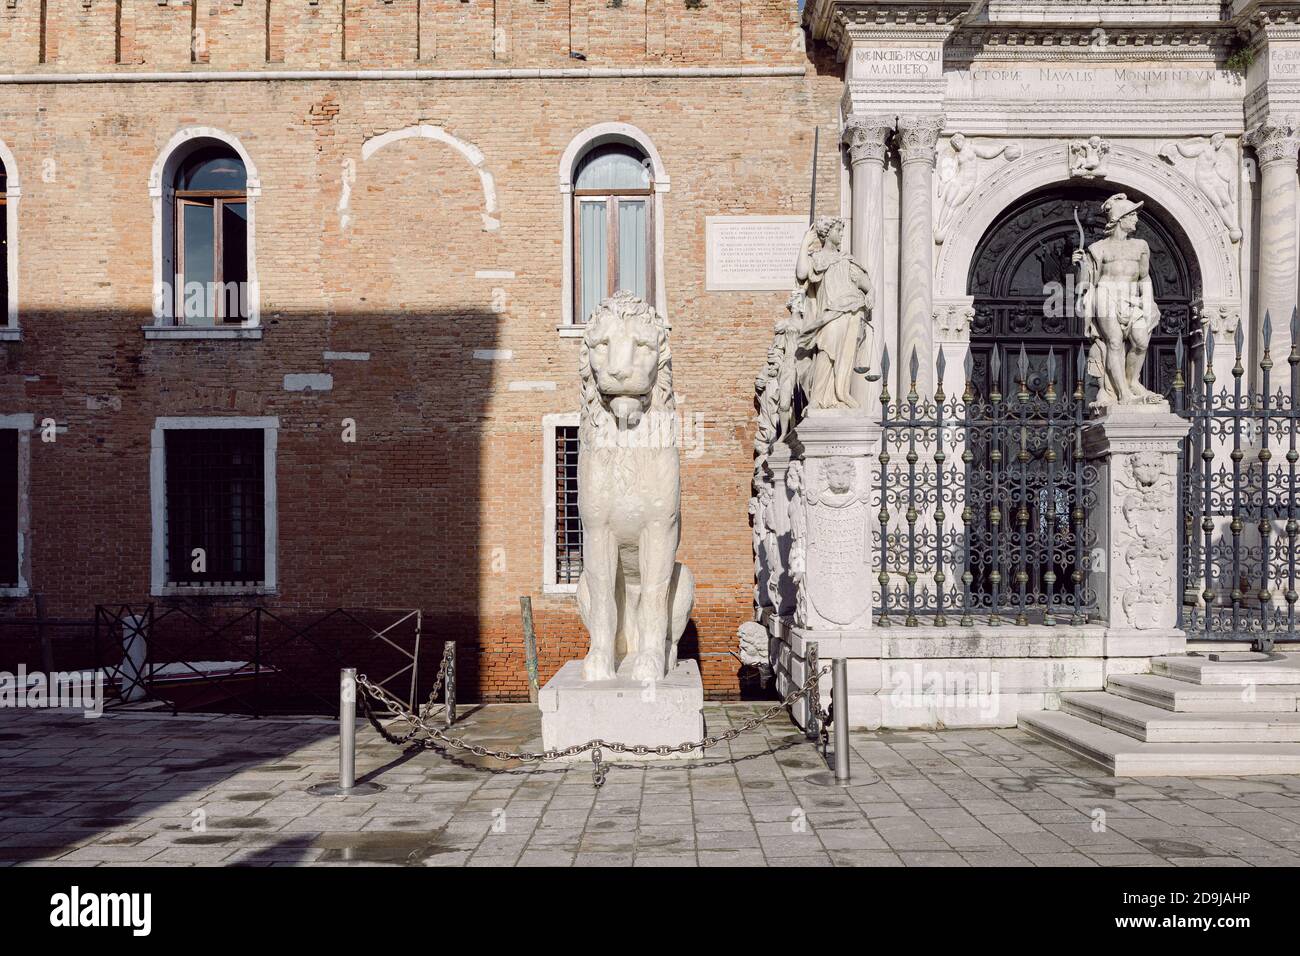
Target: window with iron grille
215	500
568	524
8	508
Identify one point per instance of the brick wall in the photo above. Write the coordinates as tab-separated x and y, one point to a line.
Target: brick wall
438	504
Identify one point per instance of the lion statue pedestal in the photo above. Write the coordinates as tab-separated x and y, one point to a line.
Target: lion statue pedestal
634	596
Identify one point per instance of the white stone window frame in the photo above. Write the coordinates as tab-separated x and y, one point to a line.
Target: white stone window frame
10	331
24	425
579	146
550	423
270	426
162	178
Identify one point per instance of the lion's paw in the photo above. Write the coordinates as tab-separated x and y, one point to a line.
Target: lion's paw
648	667
598	666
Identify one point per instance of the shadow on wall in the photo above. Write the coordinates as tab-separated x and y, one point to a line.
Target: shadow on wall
385	513
407	515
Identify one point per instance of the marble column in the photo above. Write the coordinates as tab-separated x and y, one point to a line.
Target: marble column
1276	146
866	137
915	139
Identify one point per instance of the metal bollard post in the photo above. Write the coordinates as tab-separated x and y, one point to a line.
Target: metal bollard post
841	775
840	704
347	728
347	783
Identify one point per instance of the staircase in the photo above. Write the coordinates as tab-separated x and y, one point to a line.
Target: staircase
1226	714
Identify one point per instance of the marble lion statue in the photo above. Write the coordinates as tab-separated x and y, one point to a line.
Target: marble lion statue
634	597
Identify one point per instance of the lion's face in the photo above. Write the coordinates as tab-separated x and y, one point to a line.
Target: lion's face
626	367
624	354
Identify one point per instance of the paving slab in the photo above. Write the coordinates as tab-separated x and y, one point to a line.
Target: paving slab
942	798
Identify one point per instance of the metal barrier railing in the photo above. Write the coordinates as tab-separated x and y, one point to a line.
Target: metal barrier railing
151	651
1238	490
421	728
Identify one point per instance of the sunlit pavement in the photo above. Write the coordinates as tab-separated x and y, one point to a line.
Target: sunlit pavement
136	789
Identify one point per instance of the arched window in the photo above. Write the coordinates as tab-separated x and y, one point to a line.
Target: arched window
613	222
210	227
10	193
4	235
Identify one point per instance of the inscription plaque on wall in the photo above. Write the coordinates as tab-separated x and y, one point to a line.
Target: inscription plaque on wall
897	63
751	253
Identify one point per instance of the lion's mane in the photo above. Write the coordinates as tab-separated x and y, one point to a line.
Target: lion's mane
595	420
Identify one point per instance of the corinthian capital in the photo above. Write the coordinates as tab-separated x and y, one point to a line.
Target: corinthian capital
865	136
1275	141
917	135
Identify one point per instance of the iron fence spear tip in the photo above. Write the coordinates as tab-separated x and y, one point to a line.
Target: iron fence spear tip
940	364
914	364
1268	328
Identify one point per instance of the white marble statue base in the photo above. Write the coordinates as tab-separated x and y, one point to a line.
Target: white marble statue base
670	711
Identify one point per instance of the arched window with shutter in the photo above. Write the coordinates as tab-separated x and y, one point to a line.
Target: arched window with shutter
614	184
613	223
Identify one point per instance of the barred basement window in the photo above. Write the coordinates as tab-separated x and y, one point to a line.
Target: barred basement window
215	503
568	524
9	557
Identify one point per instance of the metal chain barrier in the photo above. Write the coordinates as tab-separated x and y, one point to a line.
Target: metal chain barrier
418	722
400	712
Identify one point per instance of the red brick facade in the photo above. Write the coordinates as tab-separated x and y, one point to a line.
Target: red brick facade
438	504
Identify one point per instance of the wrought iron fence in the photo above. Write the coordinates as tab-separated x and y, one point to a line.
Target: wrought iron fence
1238	496
254	659
984	499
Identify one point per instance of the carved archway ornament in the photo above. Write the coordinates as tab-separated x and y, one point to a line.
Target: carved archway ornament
1128	168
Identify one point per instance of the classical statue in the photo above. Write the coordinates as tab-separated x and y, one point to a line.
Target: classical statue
1118	304
634	596
1090	158
959	176
836	314
1215	172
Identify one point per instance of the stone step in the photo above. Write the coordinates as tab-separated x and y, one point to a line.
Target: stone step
1124	756
1154	725
1202	670
1185	698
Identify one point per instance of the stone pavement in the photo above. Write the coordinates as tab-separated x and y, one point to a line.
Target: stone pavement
132	789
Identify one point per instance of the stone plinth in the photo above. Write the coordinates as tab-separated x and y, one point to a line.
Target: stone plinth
669	711
1136	519
831	519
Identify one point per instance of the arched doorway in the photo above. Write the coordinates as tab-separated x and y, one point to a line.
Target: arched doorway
1027	491
1021	278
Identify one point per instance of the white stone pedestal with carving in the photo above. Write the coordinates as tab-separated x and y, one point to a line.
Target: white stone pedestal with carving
1137	520
669	711
831	522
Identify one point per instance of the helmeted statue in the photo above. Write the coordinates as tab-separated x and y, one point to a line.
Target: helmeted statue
836	313
1118	305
